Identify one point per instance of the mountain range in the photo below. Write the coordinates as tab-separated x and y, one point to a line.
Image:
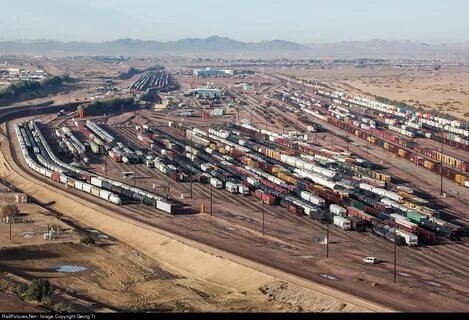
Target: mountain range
217	46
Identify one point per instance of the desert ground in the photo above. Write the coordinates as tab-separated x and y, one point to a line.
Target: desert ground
444	90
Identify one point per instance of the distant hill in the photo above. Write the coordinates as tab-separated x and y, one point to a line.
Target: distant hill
216	46
390	49
212	46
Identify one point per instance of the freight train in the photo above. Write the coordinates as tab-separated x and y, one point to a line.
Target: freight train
96	185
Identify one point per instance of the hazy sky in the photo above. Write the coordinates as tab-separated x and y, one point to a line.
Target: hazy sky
305	21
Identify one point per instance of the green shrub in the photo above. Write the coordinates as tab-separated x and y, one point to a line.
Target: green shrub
88	240
39	289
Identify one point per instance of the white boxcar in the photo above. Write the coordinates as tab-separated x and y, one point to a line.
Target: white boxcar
164	206
87	187
410	238
305	195
338	210
243	189
342	222
216	183
96	182
115	199
79	185
104	194
231	187
317	200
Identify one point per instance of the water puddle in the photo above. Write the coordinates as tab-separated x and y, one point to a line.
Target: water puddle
328	277
68	268
433	283
99	234
231	229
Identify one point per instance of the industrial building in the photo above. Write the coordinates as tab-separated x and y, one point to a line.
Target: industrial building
205	92
213	73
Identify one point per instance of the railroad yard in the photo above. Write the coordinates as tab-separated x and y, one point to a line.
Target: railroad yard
293	175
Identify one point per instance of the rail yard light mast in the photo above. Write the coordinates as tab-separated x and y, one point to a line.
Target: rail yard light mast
441	165
327	236
211	200
169	186
395	251
105	165
263	218
190	181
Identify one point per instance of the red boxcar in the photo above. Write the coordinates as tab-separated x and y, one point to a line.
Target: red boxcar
268	198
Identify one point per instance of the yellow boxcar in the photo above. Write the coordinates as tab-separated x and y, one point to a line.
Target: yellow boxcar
460	179
428	164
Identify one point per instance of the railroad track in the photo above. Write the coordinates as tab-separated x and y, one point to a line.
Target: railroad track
136	214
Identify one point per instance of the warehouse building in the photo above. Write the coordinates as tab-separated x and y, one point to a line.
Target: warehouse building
206	92
212	73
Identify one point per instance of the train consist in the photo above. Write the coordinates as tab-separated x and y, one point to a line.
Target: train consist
152	79
391	128
40	157
277	169
304	179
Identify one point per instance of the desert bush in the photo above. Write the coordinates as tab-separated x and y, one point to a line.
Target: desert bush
39	289
88	240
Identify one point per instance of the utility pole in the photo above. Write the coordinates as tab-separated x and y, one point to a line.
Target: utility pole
211	200
332	137
283	126
263	218
105	165
251	117
265	124
9	220
327	237
169	186
441	165
395	251
190	181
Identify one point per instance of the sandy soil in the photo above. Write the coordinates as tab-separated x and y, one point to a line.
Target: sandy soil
124	279
444	90
11	303
32	232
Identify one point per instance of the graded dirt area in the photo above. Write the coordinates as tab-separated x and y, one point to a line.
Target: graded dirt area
124	279
37	220
444	90
11	303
